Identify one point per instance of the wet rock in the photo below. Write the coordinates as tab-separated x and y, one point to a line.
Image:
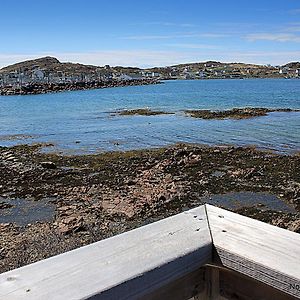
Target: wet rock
71	224
5	205
48	165
113	192
2	253
235	113
294	226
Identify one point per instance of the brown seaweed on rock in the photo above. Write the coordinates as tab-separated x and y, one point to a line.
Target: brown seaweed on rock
236	113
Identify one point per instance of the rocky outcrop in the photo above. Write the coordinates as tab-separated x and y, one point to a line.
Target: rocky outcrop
236	113
97	196
36	88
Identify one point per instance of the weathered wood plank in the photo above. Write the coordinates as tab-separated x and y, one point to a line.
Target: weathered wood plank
127	266
266	253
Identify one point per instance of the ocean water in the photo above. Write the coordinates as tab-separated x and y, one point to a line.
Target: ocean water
83	121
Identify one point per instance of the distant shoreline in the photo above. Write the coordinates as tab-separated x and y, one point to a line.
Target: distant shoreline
45	88
48	74
42	88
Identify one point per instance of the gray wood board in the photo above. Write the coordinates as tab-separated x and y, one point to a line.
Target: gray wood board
264	252
126	266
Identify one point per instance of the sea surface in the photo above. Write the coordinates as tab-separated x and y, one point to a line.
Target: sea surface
84	121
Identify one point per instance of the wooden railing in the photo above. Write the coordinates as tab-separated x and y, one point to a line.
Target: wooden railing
203	253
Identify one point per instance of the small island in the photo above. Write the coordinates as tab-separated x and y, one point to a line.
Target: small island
236	113
142	112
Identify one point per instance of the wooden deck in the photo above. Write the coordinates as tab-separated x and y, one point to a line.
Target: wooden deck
203	253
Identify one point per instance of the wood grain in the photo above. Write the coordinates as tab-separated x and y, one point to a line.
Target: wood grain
266	253
127	266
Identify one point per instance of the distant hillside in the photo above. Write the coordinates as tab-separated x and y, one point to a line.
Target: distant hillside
50	64
293	65
212	69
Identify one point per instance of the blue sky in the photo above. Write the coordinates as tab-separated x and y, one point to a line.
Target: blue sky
150	33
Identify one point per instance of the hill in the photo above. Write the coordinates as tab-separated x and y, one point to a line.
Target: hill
292	65
50	64
52	67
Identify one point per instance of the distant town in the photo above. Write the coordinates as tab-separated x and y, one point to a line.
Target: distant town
49	74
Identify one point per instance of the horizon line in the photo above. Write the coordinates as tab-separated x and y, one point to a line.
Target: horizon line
149	67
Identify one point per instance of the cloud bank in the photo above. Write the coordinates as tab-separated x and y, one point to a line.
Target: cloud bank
144	58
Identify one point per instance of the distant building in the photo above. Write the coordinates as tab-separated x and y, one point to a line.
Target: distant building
38	75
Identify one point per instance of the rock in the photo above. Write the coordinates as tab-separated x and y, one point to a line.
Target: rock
48	165
2	253
63	229
295	226
4	205
71	224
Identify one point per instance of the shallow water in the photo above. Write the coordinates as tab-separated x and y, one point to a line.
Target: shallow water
237	200
24	211
82	121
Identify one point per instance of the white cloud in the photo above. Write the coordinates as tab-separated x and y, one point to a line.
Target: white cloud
175	36
143	58
295	11
168	24
295	28
7	59
193	46
262	57
277	37
147	37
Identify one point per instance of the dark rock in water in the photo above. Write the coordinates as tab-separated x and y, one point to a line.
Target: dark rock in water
236	113
142	112
48	165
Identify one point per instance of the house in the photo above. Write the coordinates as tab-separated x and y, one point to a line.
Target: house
38	75
156	74
131	76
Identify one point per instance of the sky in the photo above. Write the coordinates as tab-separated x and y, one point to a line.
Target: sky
150	33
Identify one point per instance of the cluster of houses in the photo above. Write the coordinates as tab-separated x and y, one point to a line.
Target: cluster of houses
226	71
38	75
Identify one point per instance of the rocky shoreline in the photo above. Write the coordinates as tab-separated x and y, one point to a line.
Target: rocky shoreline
36	88
92	197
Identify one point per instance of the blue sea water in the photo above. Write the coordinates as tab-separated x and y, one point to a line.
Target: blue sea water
83	121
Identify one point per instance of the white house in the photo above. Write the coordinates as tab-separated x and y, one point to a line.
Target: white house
38	75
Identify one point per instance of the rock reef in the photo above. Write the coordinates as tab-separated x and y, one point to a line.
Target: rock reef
236	113
142	112
97	196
